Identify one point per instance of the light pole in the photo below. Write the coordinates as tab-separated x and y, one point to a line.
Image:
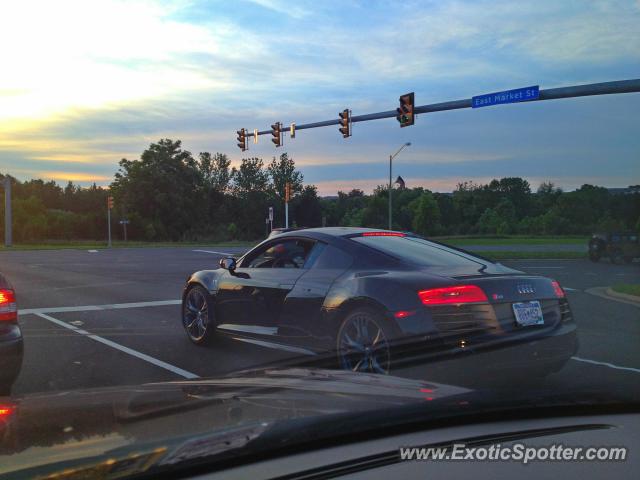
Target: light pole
391	157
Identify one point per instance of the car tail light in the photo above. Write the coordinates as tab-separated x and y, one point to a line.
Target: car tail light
557	289
8	308
452	295
383	234
5	410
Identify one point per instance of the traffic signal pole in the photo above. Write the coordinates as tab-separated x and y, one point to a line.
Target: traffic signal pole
286	215
605	88
109	207
109	226
8	240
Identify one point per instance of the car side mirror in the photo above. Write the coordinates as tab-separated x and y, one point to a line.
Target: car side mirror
228	263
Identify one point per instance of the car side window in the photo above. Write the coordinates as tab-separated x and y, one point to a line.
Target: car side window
330	258
288	253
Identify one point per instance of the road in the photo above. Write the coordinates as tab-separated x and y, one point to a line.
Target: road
112	317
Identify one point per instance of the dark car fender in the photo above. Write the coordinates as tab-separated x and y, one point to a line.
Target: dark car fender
205	278
385	292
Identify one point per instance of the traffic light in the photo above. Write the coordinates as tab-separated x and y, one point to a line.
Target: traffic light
109	202
345	123
242	139
287	192
276	133
405	112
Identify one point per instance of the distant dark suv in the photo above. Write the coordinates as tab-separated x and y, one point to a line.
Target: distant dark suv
618	246
10	337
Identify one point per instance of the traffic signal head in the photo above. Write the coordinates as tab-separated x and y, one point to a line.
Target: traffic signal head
109	202
405	111
276	134
287	192
345	123
242	139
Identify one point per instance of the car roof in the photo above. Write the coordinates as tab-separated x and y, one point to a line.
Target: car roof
333	231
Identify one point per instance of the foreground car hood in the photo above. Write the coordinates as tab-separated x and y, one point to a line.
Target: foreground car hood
159	423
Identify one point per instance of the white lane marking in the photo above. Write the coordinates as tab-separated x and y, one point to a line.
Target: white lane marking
134	353
92	251
569	289
215	253
256	329
276	346
605	364
90	308
90	285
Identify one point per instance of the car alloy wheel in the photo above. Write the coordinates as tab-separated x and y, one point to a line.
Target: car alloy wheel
196	314
363	344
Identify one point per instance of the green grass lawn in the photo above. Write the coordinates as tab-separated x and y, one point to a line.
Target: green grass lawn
57	245
513	240
515	255
455	241
628	288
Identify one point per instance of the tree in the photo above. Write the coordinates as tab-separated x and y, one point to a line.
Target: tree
162	189
215	171
249	177
252	197
307	210
547	196
488	222
282	171
426	217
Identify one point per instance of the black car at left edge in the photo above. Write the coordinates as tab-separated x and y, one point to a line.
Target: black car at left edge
10	337
376	300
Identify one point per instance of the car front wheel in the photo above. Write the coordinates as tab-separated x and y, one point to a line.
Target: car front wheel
198	317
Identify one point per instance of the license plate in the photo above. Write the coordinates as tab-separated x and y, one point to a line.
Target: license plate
528	313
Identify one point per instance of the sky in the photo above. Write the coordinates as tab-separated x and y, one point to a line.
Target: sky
86	83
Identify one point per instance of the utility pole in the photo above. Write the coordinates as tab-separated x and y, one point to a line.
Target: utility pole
109	207
8	241
391	157
124	222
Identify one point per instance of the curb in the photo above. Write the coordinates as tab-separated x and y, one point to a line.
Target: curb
606	292
623	296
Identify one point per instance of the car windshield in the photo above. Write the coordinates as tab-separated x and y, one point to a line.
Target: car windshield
236	232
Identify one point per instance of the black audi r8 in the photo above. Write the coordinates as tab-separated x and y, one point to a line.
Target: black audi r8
375	299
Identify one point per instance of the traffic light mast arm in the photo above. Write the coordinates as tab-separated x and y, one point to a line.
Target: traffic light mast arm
606	88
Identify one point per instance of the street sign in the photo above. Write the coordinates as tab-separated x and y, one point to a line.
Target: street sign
508	96
271	214
124	222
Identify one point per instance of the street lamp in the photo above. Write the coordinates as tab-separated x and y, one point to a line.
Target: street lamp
391	157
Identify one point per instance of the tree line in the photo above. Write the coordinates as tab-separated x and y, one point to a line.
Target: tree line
170	194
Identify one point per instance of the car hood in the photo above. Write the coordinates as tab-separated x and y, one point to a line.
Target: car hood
165	423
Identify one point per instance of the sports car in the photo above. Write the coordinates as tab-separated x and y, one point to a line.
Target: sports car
373	300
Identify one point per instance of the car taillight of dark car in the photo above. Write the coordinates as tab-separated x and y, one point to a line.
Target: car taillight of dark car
8	307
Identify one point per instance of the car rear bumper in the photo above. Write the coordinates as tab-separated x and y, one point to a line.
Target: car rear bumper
11	352
542	351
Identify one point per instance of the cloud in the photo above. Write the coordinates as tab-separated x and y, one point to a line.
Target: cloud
88	83
77	177
287	8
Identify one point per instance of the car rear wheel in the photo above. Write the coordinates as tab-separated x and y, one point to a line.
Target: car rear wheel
363	343
198	317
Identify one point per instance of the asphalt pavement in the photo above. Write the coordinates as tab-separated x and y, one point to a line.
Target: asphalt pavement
112	317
